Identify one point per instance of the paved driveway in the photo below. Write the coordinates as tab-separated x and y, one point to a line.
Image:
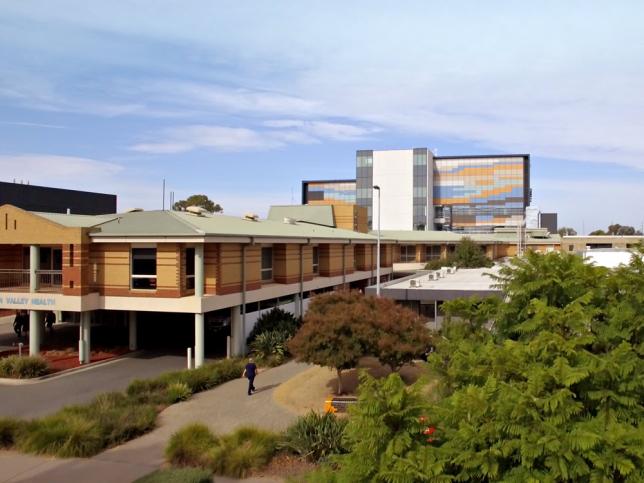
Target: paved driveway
38	399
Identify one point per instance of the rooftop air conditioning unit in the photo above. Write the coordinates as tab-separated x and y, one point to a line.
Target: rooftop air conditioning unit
412	283
289	221
251	217
197	210
443	272
433	276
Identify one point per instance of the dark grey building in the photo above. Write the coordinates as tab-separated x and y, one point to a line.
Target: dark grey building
549	221
56	200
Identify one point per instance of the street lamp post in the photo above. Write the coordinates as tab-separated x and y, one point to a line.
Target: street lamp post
377	188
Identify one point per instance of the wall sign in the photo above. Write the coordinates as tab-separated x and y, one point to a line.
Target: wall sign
31	301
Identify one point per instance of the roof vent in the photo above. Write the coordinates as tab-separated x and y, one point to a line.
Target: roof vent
197	210
289	221
251	217
133	210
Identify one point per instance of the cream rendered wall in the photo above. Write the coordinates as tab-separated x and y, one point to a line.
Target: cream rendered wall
393	171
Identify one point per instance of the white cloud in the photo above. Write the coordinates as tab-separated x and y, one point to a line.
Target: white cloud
485	75
325	130
46	169
78	173
33	124
222	138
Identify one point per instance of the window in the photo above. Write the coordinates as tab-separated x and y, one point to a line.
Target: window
267	264
190	268
144	268
407	253
316	260
432	252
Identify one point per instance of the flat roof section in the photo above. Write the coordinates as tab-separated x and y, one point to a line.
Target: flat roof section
465	282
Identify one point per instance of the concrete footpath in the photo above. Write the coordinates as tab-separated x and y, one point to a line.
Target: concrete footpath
223	409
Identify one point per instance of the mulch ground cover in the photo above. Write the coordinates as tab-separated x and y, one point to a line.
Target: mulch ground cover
63	359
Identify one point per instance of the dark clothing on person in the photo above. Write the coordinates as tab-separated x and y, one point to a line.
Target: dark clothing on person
251	371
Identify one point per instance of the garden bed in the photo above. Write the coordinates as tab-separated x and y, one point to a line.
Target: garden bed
58	360
308	390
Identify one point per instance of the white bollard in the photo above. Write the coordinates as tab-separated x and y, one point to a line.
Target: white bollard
20	344
189	357
228	347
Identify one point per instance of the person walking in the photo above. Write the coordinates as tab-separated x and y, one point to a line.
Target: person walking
250	371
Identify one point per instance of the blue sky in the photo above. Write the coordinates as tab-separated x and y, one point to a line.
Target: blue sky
243	100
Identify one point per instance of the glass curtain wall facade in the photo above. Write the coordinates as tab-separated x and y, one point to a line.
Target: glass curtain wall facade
476	194
364	183
420	189
336	192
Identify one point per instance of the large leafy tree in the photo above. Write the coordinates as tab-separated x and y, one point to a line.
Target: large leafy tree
198	200
342	327
622	230
336	332
399	334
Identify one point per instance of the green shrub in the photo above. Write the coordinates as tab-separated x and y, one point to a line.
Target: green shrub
315	436
63	435
147	391
84	430
323	474
23	367
178	475
9	430
178	391
117	417
271	343
238	453
190	446
206	376
275	319
438	264
234	455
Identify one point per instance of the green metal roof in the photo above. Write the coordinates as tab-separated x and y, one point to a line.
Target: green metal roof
178	223
402	236
75	221
316	214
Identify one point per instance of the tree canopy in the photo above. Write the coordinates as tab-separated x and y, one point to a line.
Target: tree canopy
553	391
617	229
467	254
622	230
198	200
566	231
342	327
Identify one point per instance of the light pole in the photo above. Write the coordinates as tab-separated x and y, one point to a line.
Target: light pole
377	188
